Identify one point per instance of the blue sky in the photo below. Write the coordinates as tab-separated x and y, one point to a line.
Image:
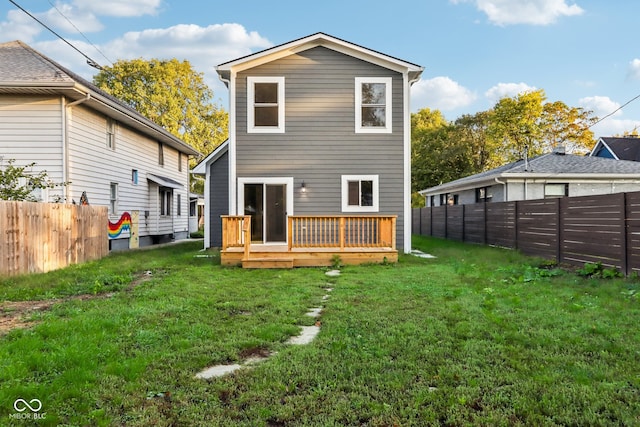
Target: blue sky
582	52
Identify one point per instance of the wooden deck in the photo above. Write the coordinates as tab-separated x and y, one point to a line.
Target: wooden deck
313	241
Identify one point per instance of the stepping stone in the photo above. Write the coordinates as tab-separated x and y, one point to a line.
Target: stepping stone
333	273
314	312
218	371
421	254
306	336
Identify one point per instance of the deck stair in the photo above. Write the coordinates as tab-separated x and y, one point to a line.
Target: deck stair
269	262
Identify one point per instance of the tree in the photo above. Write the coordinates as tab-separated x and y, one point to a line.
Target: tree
171	94
568	126
18	184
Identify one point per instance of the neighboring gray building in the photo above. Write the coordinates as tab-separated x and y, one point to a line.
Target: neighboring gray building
553	174
317	126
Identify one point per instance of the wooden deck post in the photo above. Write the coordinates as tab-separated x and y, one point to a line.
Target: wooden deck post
393	232
289	232
246	229
342	232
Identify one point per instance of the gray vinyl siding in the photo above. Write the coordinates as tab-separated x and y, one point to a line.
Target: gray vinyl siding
320	143
218	197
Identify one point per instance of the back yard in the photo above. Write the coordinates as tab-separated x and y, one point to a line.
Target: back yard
476	336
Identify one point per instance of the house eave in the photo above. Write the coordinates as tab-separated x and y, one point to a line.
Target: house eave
324	40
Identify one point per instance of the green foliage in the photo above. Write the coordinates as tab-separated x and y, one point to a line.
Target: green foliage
443	151
18	183
597	270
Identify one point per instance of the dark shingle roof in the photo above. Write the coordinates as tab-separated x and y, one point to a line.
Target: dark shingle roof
625	148
550	164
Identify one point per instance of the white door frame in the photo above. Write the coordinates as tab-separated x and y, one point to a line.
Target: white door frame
286	181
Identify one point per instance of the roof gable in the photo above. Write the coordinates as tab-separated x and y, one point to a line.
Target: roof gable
621	148
324	40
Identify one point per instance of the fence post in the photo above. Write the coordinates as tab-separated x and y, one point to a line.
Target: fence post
561	204
624	243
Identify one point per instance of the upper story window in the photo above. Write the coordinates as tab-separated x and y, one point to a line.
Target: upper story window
360	193
373	104
160	154
265	104
111	134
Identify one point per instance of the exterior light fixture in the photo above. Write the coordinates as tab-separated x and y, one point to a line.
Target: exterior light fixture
303	187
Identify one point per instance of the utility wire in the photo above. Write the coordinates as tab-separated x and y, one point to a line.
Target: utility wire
616	110
80	32
90	61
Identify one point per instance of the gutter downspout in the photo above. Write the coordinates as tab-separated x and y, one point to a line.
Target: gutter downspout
65	140
505	198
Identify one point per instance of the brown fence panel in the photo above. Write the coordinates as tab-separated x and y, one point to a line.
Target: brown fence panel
593	230
425	221
538	222
39	237
439	221
474	223
501	224
455	222
633	232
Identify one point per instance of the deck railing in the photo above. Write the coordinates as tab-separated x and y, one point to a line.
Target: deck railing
318	231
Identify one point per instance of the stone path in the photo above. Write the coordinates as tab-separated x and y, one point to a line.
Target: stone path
307	335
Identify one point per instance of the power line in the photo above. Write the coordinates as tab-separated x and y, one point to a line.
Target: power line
80	32
616	110
90	61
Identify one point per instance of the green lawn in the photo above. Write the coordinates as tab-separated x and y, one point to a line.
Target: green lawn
477	336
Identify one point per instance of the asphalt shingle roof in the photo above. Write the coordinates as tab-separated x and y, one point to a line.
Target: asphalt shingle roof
550	164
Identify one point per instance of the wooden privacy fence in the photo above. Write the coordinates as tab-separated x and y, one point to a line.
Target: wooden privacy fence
39	237
573	230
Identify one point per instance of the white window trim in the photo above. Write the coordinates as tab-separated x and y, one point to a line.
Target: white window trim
345	193
251	127
388	124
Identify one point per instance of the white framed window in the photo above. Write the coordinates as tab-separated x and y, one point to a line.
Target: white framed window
113	198
166	199
556	190
160	154
111	134
373	104
134	176
360	193
265	104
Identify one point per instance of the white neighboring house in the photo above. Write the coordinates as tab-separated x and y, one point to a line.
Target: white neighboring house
549	175
101	147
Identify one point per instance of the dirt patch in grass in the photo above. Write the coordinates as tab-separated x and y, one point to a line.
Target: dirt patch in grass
16	314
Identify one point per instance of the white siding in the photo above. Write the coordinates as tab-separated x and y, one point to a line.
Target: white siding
31	131
93	166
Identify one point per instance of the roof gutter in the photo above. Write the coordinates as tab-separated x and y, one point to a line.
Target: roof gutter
65	141
505	198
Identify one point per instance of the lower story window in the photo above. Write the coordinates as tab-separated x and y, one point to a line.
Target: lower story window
166	198
360	193
113	198
556	190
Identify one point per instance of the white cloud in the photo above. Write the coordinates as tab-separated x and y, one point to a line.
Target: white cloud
534	12
19	26
119	8
634	69
504	90
441	93
203	47
70	19
600	105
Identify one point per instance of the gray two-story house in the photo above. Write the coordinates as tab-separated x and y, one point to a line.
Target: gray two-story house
318	154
